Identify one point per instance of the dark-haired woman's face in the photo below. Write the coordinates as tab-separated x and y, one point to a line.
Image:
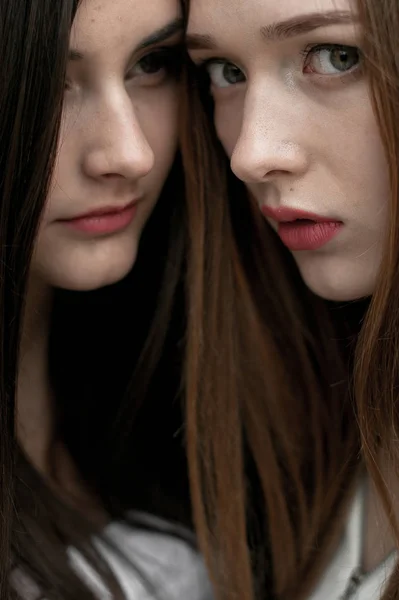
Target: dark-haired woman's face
293	112
117	143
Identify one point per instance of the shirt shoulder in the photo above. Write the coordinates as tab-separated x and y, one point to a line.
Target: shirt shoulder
155	562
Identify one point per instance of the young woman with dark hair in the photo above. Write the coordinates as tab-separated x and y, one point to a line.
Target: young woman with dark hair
88	163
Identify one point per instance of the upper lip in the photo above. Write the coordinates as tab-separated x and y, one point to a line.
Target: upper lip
102	210
284	214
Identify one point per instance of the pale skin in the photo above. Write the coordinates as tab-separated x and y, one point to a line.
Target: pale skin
299	132
117	144
293	113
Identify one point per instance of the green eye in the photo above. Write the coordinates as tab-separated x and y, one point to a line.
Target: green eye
332	59
224	74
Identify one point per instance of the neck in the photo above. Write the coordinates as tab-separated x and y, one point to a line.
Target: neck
35	409
35	414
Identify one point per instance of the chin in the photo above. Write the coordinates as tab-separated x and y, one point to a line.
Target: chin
87	270
84	282
335	294
339	285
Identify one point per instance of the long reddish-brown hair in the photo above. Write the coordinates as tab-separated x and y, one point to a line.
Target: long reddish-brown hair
376	372
272	427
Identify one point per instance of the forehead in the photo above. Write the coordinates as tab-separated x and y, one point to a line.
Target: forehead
235	16
103	25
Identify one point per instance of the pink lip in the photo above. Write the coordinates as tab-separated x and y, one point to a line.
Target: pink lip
301	230
106	220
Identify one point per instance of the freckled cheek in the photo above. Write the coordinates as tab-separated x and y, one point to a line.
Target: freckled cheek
228	119
65	169
361	167
77	121
377	187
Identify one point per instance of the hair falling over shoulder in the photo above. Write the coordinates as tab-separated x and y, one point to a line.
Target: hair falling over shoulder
376	372
272	429
271	465
112	442
30	109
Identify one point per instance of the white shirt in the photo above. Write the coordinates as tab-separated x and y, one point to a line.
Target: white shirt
172	567
336	579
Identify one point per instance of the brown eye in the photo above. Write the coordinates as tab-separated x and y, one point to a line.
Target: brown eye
152	63
165	61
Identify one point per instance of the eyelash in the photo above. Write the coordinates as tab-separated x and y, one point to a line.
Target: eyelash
306	53
313	49
170	61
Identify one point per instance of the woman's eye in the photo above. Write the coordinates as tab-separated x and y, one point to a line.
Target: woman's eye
164	61
331	59
223	74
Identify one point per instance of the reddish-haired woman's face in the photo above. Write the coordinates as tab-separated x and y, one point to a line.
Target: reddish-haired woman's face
293	112
118	140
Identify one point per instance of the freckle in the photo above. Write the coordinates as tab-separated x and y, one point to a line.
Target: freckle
291	189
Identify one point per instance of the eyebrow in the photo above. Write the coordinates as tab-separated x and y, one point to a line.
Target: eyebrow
304	24
157	37
162	34
281	30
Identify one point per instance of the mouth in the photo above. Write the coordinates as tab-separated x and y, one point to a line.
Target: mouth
104	220
301	230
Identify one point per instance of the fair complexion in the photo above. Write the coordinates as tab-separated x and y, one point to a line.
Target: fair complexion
293	113
118	138
117	144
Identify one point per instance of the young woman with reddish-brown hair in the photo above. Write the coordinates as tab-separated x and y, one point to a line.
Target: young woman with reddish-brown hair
293	334
94	499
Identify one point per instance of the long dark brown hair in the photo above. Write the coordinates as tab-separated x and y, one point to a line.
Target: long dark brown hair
33	42
278	382
377	358
124	433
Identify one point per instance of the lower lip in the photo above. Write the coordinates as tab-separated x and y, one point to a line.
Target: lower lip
307	235
105	223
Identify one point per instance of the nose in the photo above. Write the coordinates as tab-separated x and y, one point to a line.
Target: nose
268	145
118	148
